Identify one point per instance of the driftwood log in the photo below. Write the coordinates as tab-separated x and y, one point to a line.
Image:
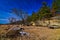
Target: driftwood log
14	33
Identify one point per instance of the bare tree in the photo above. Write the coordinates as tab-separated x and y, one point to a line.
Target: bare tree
21	14
11	20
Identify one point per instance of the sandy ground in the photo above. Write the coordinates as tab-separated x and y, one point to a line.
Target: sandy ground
38	33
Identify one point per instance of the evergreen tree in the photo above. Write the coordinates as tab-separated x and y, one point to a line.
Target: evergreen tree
33	17
58	4
44	12
54	7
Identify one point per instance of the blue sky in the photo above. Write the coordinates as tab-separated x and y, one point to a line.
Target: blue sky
26	5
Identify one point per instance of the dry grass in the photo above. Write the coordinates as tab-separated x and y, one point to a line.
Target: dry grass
38	33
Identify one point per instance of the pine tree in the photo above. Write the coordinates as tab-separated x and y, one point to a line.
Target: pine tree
54	7
44	12
34	16
58	4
